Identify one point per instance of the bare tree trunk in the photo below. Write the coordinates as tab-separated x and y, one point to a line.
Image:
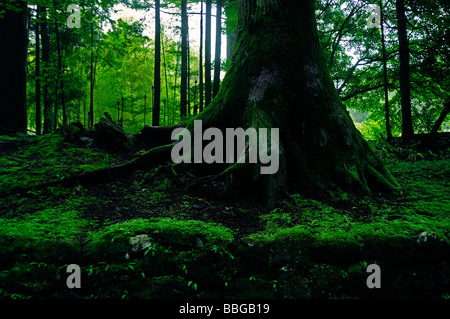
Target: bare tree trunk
184	60
175	84
145	109
189	95
38	73
61	74
157	78
208	54
386	83
201	59
166	80
91	109
405	86
45	75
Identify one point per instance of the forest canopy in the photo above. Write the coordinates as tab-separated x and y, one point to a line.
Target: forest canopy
109	43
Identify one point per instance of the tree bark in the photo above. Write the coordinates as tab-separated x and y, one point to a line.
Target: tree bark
217	58
275	82
405	86
157	78
13	53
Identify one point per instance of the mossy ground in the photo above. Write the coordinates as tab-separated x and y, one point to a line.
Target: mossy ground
206	242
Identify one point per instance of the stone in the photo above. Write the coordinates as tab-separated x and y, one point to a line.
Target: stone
140	243
427	238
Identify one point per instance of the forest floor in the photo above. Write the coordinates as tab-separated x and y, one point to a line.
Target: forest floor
147	235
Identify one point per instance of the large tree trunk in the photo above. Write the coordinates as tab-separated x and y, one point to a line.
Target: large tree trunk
13	52
279	79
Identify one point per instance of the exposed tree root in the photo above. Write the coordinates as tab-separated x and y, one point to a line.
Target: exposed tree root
150	158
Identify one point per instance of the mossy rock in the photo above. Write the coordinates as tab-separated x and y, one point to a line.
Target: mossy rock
114	241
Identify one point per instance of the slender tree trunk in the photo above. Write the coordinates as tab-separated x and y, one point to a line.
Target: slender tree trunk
195	98
91	108
386	83
55	107
118	112
201	59
13	57
45	74
121	118
208	54
145	109
38	73
217	60
84	109
78	110
165	79
157	78
405	86
175	84
61	74
279	83
184	60
189	95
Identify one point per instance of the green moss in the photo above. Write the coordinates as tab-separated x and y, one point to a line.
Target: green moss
349	242
49	235
47	158
166	232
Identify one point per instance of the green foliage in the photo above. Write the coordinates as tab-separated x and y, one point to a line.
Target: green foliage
354	57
